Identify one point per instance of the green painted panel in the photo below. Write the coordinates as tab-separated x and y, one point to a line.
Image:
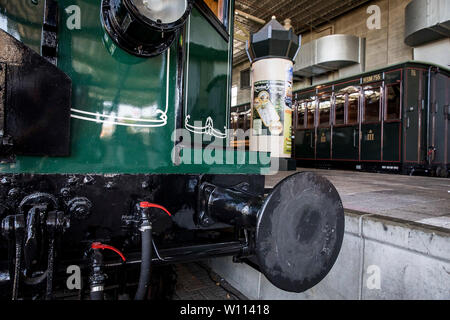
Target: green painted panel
439	116
323	143
371	141
391	141
346	143
304	144
411	115
122	106
207	79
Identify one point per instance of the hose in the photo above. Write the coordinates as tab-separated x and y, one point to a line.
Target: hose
96	295
146	258
97	278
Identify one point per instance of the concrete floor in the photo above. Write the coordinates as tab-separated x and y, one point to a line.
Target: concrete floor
197	282
413	198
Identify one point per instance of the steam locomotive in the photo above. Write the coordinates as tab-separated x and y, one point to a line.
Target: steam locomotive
115	157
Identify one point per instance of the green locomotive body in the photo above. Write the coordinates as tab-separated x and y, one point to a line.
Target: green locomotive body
125	109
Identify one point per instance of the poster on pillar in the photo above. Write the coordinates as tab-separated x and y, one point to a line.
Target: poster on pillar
272	114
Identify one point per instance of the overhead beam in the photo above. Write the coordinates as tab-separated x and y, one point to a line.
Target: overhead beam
250	17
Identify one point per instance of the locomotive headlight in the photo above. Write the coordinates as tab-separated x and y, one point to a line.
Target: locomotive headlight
144	28
166	11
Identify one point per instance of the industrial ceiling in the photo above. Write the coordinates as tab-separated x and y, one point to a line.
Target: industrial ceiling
305	15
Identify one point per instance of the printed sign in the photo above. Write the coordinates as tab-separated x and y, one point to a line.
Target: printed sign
269	104
273	113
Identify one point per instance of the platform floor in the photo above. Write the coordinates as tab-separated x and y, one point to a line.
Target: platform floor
413	198
197	282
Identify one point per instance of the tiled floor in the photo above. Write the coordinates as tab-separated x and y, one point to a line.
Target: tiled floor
197	282
413	198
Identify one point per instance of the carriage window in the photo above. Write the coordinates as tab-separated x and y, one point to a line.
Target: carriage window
234	120
353	102
339	109
310	112
218	7
301	115
248	116
324	110
241	121
371	104
393	102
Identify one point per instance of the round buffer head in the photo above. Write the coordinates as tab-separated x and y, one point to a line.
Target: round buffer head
299	232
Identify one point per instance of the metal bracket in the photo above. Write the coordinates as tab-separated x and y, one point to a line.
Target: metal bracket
49	38
2	98
6	144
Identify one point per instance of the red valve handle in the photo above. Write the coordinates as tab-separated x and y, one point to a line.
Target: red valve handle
98	245
146	204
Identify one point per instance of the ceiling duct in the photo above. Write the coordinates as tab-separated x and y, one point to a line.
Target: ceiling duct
329	53
426	21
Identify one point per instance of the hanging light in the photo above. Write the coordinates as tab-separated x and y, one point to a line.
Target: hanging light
144	28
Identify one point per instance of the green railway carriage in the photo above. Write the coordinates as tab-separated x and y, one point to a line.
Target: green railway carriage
114	157
393	119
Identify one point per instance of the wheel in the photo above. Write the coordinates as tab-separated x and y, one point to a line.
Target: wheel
435	172
442	172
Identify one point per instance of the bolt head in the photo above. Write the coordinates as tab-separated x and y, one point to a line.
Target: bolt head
13	193
65	192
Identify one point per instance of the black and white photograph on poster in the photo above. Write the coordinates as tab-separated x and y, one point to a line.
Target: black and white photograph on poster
269	104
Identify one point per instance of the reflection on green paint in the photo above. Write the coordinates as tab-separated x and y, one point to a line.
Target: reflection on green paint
124	105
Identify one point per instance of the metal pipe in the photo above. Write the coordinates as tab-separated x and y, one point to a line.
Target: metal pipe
50	265
231	205
190	253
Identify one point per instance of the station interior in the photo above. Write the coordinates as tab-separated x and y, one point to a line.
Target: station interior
344	104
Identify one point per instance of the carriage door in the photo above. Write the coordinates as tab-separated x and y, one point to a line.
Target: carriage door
412	115
371	124
305	134
323	142
439	118
346	122
392	116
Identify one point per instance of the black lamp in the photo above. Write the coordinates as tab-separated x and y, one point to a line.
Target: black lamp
144	28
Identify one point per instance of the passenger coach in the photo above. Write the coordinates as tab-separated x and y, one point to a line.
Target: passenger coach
393	119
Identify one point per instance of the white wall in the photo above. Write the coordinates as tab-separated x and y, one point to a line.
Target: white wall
437	52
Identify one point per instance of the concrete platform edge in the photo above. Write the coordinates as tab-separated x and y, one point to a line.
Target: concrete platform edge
381	258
